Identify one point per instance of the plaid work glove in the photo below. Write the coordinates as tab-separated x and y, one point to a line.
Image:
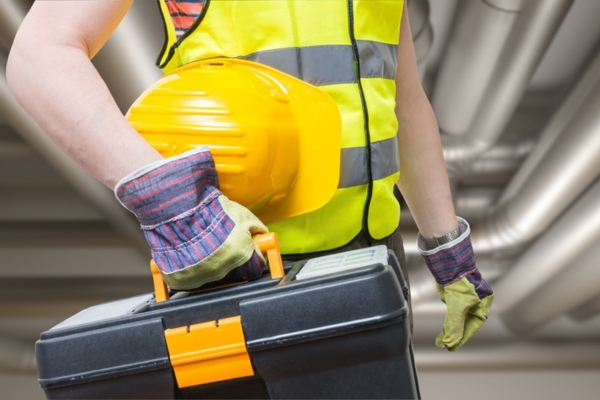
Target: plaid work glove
196	234
467	295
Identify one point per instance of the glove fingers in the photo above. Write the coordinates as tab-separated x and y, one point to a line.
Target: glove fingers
461	300
453	330
475	320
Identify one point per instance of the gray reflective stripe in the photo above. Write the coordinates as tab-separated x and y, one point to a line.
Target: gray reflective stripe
331	64
317	65
385	161
377	60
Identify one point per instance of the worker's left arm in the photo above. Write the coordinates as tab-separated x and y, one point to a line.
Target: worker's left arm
425	188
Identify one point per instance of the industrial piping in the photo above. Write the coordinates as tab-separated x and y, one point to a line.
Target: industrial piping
503	46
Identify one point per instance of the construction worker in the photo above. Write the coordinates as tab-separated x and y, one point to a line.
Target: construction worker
359	52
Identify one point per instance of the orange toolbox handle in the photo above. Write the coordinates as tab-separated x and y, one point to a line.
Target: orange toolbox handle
268	244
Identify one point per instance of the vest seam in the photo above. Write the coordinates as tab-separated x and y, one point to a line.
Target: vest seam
366	130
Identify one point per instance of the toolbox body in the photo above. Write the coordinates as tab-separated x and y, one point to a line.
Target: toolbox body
331	335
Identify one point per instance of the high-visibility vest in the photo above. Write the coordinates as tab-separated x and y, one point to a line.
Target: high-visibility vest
348	48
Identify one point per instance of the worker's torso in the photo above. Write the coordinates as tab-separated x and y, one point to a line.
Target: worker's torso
346	48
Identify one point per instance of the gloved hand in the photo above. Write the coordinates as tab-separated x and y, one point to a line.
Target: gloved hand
467	295
196	234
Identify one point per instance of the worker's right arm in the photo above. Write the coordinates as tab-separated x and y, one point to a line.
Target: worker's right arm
50	73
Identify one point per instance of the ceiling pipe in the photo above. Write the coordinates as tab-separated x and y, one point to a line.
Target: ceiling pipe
473	49
569	166
498	164
558	272
577	95
475	99
16	356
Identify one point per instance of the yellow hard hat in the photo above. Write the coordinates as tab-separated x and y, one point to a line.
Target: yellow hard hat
275	139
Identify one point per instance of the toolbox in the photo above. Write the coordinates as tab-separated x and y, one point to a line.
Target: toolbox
335	326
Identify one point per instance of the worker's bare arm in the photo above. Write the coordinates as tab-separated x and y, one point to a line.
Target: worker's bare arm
423	178
50	73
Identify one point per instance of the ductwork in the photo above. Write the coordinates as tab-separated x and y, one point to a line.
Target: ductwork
572	134
577	96
558	272
568	166
494	52
476	41
498	165
16	356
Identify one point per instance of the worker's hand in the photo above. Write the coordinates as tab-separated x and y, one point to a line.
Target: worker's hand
196	235
467	295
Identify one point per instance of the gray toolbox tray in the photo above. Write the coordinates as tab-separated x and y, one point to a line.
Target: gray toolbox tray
330	327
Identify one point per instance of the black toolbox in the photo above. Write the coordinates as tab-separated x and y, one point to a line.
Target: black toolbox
318	330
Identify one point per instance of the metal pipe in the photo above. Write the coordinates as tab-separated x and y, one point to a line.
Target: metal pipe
569	166
477	103
580	284
576	97
535	289
499	164
477	38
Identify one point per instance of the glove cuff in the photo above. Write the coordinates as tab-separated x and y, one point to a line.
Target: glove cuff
170	189
450	261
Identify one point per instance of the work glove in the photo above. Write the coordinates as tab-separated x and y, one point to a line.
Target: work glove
196	234
467	295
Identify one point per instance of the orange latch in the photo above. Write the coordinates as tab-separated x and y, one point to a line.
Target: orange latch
208	352
268	244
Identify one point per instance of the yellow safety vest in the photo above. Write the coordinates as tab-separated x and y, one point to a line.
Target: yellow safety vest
348	48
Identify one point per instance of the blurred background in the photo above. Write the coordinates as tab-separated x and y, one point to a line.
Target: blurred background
515	85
